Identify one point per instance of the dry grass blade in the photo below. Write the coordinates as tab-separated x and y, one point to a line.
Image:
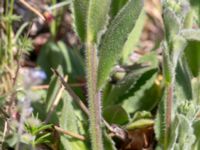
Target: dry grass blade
80	137
56	101
78	100
34	10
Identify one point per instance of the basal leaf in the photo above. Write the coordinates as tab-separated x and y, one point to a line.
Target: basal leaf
116	36
80	9
69	121
119	115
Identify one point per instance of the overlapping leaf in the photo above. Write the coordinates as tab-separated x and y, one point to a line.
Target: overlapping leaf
80	9
97	19
69	121
114	39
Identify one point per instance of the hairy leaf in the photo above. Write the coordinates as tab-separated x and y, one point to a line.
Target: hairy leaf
183	87
196	126
191	34
69	121
116	6
80	9
186	133
171	24
192	54
134	36
140	96
128	82
160	122
179	44
97	19
115	38
123	86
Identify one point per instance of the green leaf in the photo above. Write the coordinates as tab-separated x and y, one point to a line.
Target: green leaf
116	6
160	122
186	134
108	142
141	123
59	55
116	36
66	57
167	66
119	115
97	19
196	7
191	34
183	87
174	133
142	96
192	54
43	139
70	121
196	127
80	9
134	36
179	44
55	58
123	86
188	20
171	24
52	91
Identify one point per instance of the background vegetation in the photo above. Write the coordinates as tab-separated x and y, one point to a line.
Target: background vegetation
100	74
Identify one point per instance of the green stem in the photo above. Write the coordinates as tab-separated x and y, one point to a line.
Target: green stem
198	89
9	12
53	25
94	98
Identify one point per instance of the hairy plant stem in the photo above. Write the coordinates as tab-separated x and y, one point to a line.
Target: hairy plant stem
169	68
93	97
198	89
9	12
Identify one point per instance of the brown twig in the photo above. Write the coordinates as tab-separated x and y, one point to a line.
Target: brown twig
78	100
56	101
80	137
71	92
45	87
34	10
40	87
